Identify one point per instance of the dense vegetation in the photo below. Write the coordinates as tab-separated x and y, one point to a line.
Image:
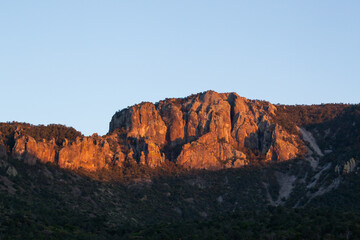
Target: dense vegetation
59	212
44	202
341	134
38	132
273	223
290	116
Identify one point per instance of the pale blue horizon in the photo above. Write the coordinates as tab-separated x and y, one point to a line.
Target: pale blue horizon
78	62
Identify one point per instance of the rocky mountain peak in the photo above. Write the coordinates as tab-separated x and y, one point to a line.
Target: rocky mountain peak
207	130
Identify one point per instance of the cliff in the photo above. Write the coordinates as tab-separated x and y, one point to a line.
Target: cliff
208	130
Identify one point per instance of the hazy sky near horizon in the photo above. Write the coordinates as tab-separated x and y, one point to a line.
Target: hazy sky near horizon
78	62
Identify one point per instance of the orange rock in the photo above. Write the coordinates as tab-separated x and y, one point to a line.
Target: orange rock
89	153
173	118
210	153
208	130
141	121
30	151
285	145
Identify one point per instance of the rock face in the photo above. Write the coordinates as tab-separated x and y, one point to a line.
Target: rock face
89	153
208	153
142	121
203	131
150	154
209	130
30	151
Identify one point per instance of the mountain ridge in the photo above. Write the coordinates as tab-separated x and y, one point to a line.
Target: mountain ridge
207	130
56	183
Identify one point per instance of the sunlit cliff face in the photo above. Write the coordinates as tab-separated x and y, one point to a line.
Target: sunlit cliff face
203	131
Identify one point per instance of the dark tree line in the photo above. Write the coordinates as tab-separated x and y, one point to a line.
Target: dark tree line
38	132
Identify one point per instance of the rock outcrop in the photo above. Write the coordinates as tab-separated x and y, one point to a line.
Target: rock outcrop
89	153
209	130
142	121
30	151
204	131
150	153
208	153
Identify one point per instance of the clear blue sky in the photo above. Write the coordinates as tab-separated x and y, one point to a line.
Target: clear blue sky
78	62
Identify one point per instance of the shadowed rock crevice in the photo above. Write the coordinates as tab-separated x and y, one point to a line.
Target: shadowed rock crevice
231	100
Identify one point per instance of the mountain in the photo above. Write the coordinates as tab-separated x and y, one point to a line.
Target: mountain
188	167
203	131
